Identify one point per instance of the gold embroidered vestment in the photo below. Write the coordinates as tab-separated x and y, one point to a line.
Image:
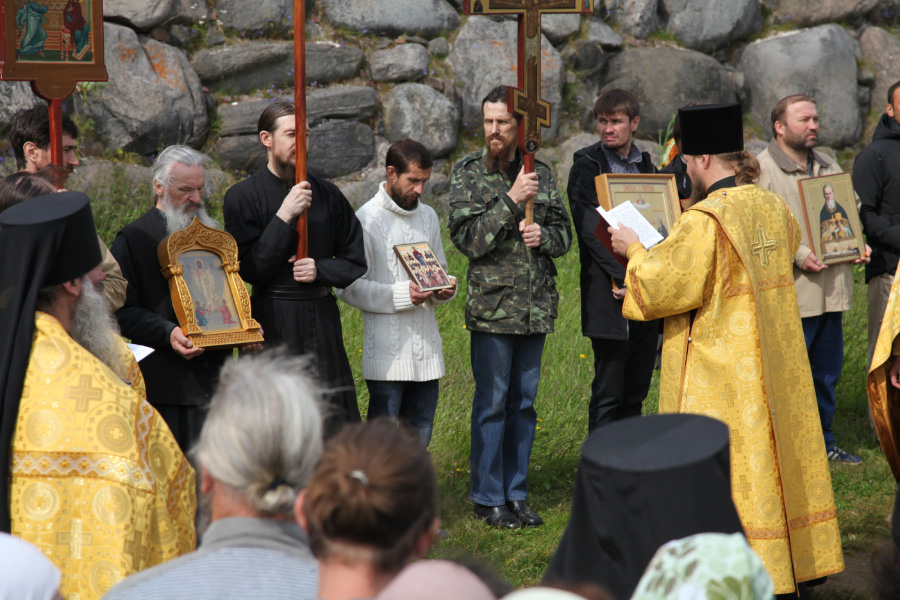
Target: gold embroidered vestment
98	482
743	361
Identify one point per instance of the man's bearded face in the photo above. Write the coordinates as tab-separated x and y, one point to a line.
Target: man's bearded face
500	131
95	328
801	126
182	199
406	189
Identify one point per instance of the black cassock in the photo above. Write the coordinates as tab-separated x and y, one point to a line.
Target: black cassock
180	389
302	316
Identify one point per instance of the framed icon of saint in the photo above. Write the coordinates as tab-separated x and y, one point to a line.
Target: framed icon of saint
832	219
208	294
54	43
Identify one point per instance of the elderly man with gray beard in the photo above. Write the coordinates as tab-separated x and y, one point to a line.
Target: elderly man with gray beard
180	377
257	450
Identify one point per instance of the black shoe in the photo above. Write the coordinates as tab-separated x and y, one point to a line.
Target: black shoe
497	516
525	514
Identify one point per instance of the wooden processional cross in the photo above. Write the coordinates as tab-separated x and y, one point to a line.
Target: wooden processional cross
54	45
525	101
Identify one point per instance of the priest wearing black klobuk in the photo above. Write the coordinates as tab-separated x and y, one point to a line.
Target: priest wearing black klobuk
292	299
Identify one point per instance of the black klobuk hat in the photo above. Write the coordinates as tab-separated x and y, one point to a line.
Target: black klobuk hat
65	222
711	129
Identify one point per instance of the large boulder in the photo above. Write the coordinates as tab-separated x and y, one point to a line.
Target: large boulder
708	24
189	11
635	17
241	153
392	17
404	62
253	65
677	76
484	55
139	14
341	102
881	53
340	147
258	15
797	63
565	153
602	34
806	13
417	111
240	118
153	98
558	27
14	96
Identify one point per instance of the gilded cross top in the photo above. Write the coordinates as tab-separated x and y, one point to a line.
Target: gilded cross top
526	101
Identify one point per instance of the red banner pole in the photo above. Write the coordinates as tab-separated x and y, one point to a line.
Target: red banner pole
56	144
300	116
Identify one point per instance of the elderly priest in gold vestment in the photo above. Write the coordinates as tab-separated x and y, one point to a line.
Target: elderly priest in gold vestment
733	345
89	472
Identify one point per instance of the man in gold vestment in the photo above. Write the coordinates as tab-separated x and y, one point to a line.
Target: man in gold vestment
91	474
734	349
883	383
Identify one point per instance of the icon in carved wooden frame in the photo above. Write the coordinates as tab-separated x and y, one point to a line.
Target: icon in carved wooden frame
208	294
422	266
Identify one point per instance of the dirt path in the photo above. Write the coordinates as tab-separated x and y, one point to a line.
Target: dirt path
852	584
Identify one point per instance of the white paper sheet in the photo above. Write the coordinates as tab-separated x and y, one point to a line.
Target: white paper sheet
140	352
627	215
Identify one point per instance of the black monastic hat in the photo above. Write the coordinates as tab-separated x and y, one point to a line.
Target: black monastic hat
711	129
44	241
643	482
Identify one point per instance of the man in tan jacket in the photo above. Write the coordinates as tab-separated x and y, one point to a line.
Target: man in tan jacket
824	292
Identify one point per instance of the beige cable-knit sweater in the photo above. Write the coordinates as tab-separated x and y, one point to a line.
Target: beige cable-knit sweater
401	341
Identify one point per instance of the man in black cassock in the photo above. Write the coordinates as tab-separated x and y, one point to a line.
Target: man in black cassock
292	299
180	378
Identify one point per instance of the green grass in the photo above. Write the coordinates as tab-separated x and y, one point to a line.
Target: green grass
864	494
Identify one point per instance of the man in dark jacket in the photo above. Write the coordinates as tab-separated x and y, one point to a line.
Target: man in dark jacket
876	179
624	351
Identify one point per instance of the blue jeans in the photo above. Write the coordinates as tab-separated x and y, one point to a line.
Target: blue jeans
825	345
507	369
412	402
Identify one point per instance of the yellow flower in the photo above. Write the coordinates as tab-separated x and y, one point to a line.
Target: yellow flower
464	325
540	420
537	428
582	356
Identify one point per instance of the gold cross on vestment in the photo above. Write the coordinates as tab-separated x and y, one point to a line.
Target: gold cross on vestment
763	247
83	393
526	101
75	538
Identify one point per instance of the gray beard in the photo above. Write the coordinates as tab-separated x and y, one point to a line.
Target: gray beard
95	329
179	217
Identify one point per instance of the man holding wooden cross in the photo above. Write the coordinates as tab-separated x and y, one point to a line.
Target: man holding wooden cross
510	306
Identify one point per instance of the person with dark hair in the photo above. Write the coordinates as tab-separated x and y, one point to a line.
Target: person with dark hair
511	304
876	180
257	450
403	357
180	377
734	347
292	298
823	292
369	509
23	186
30	141
88	469
676	166
624	351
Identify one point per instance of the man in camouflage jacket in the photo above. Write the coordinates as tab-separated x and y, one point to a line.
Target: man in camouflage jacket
510	306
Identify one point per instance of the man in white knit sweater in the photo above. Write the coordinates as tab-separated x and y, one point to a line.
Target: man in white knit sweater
403	357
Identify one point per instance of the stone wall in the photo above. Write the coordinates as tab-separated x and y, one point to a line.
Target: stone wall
199	72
